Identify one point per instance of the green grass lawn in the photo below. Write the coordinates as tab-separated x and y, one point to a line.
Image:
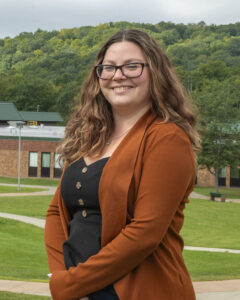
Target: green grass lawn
211	224
207	224
22	252
14	189
231	193
15	296
23	256
212	266
32	206
32	181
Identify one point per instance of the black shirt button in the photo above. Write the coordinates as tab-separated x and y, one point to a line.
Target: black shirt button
84	170
84	213
78	185
81	202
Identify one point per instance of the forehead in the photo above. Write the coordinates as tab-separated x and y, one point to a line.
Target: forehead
122	52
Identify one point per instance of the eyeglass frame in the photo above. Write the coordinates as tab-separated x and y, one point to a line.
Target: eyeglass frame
120	67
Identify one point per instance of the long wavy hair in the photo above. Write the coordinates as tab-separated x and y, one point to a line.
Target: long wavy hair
92	123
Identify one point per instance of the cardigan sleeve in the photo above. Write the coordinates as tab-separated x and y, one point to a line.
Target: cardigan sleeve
54	235
166	180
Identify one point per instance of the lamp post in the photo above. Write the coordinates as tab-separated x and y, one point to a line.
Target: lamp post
20	126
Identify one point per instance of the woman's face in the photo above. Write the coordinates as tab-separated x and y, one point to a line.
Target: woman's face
131	94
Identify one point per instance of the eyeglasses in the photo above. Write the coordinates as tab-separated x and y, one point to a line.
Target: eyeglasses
131	70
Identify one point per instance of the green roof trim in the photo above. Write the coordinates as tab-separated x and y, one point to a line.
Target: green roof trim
8	112
41	116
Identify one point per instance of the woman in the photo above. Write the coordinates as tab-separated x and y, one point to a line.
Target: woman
134	135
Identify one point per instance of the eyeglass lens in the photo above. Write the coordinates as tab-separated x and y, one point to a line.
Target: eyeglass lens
128	70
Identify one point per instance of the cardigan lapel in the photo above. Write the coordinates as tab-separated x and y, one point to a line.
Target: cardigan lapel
116	178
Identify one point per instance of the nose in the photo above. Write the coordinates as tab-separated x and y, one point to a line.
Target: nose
119	75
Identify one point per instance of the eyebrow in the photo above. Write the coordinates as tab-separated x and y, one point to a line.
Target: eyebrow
130	60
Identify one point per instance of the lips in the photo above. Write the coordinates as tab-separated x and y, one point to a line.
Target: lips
120	89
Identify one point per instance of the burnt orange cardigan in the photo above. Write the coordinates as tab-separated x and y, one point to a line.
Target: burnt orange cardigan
143	190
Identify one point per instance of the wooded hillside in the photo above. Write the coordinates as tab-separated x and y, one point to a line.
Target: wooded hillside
48	68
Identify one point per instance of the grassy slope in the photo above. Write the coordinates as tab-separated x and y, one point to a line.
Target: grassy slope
22	252
207	223
23	256
33	206
15	296
13	189
212	224
212	266
33	181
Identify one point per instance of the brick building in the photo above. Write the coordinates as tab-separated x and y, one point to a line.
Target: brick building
38	143
38	151
228	177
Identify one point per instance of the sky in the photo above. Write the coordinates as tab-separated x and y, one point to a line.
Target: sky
18	16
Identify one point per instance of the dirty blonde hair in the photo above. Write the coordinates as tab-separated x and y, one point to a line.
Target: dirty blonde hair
92	123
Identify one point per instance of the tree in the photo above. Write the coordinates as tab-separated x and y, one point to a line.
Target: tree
219	105
27	93
3	87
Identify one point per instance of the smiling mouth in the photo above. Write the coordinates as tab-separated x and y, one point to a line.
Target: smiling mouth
121	88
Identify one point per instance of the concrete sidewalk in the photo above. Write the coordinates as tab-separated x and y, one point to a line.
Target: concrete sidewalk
205	290
218	290
198	196
29	220
49	190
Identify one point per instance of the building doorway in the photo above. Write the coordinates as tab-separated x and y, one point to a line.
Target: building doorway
45	167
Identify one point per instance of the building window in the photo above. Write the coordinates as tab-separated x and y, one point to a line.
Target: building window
45	169
222	177
33	164
57	167
235	176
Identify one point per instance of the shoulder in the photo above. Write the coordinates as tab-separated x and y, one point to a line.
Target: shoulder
164	131
167	143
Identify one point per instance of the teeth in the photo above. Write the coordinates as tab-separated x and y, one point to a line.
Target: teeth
121	88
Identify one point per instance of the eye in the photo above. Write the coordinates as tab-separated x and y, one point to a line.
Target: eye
108	68
132	67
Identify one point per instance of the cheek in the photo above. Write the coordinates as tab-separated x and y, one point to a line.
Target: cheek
104	83
145	85
104	90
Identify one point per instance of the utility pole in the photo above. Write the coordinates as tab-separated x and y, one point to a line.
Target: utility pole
20	126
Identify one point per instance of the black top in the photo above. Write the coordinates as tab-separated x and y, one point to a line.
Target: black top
79	190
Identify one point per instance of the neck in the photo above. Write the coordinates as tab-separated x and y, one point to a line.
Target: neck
126	119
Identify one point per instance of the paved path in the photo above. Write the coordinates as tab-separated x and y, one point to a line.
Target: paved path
220	250
29	220
198	196
50	190
205	290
